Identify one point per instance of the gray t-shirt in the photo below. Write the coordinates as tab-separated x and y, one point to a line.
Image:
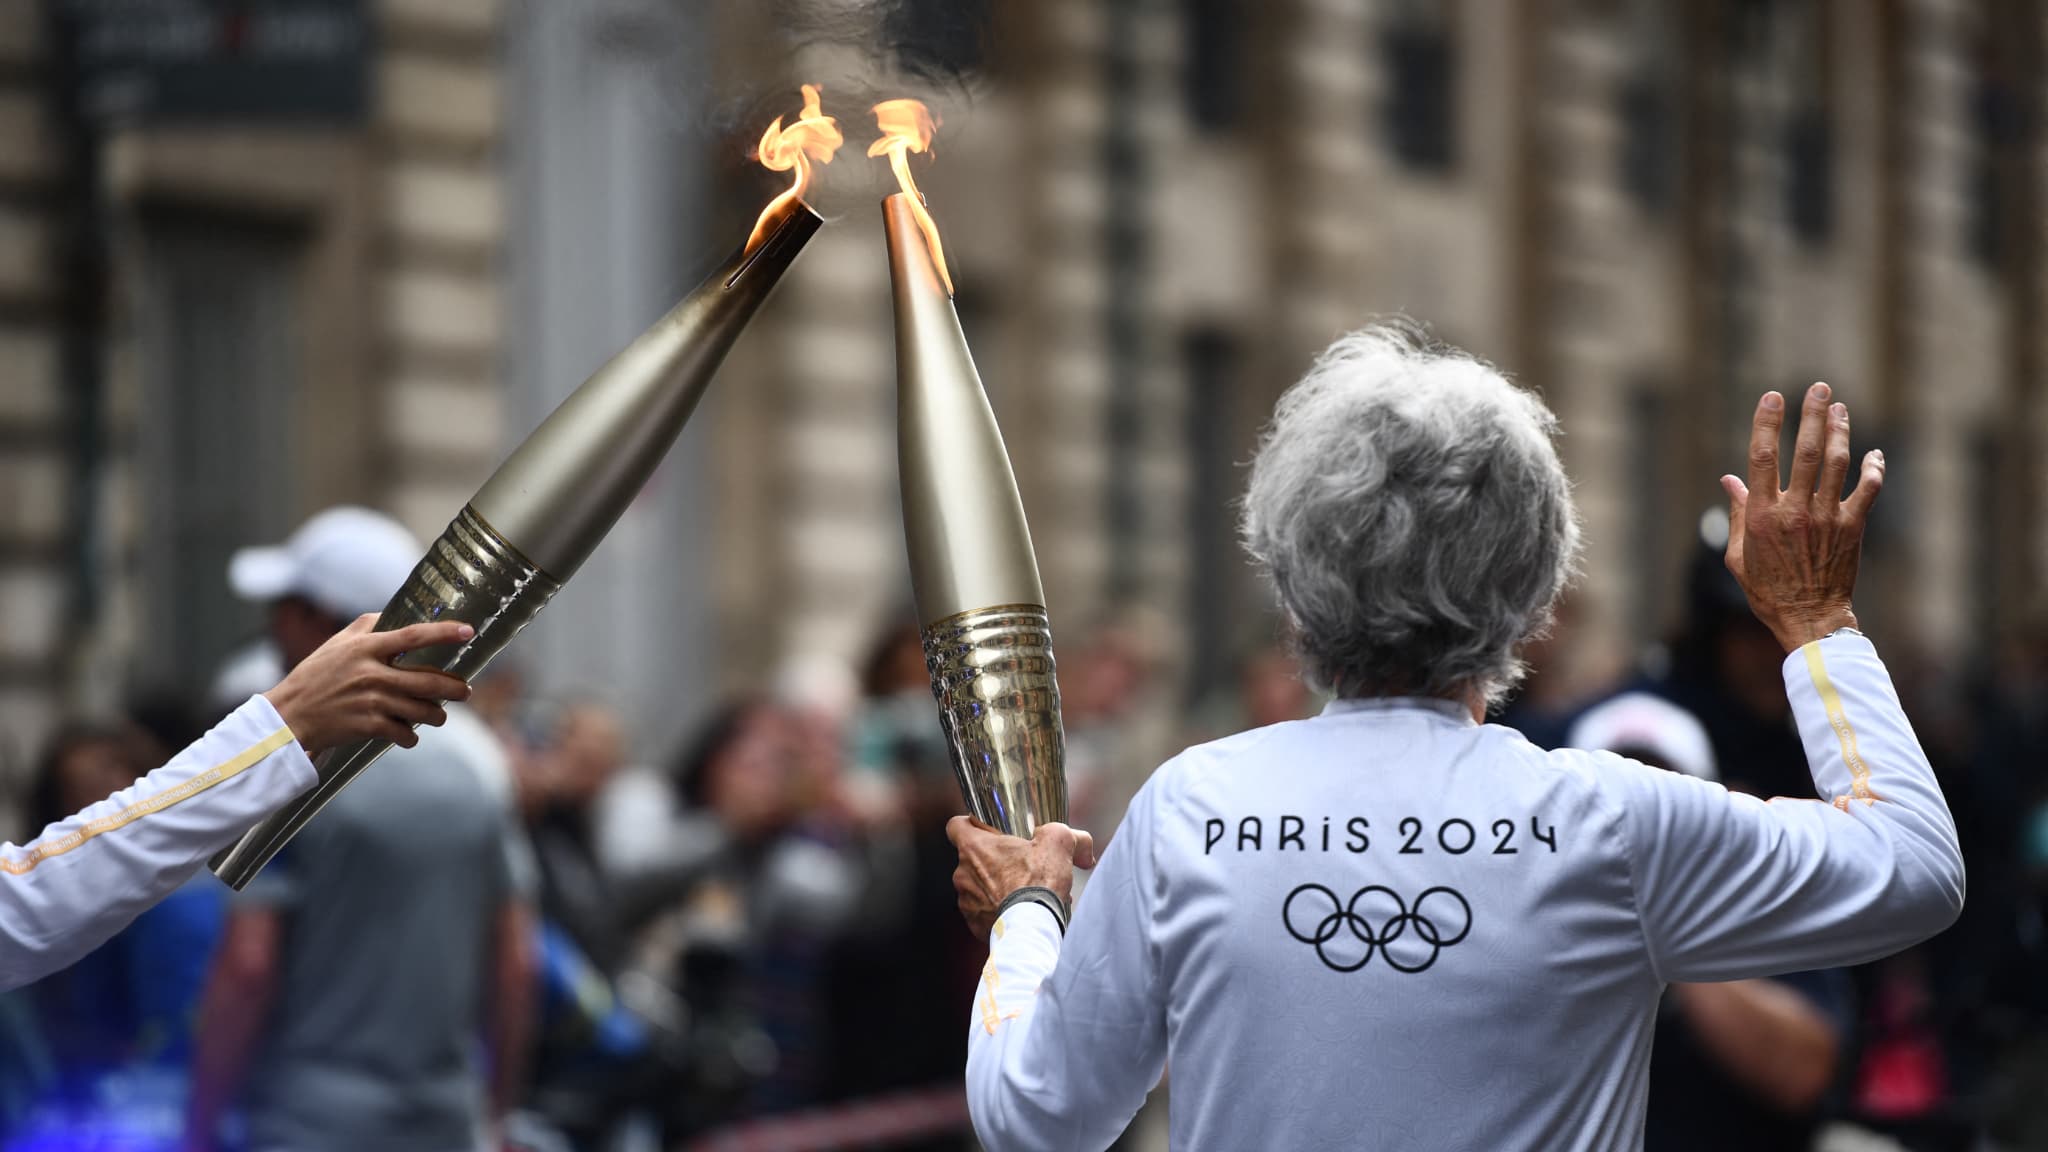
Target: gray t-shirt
388	900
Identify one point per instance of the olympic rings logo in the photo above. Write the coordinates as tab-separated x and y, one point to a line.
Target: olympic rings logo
1361	917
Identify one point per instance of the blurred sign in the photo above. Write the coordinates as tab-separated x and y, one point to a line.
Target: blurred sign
219	61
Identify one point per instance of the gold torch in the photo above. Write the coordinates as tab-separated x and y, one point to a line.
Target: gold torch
543	512
987	640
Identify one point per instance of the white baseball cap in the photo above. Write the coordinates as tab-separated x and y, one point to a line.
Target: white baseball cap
346	560
1645	725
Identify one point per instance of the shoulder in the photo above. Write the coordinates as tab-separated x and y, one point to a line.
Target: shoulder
466	742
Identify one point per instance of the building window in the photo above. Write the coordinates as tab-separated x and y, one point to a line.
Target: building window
1808	140
1213	360
1994	129
1647	100
1212	77
1650	512
1421	67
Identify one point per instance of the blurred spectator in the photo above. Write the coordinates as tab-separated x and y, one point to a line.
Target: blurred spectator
85	1011
252	668
906	953
118	1024
748	903
1743	1064
1102	684
596	1063
1273	691
1543	708
1727	670
359	969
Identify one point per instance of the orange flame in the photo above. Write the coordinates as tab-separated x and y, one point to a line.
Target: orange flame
907	126
814	136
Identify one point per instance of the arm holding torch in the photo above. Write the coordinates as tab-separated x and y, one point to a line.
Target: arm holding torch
88	875
987	639
535	521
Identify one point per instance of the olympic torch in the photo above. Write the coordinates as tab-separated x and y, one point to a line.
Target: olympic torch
987	638
543	512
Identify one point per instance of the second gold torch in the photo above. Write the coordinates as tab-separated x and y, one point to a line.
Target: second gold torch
987	640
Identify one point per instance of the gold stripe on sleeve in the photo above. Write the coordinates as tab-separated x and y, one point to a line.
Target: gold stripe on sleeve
42	850
1831	700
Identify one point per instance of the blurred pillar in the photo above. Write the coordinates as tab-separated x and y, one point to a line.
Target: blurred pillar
827	346
1328	158
37	536
2030	298
1932	320
1061	444
605	236
1575	182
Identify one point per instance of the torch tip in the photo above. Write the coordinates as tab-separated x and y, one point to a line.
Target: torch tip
782	232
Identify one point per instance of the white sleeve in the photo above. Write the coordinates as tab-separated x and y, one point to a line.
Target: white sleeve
87	876
1065	1040
1730	886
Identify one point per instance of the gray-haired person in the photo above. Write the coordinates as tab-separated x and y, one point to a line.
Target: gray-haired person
1390	926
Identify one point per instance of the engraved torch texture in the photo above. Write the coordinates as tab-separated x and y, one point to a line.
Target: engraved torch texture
992	672
470	574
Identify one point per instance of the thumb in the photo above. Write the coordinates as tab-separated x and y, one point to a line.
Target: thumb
1084	849
1738	506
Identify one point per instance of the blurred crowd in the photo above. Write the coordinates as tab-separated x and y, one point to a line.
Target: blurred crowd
528	931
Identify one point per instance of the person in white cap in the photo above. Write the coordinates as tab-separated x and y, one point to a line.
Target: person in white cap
359	969
86	877
1393	926
1741	1063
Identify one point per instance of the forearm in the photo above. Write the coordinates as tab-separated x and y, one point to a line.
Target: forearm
509	1022
232	1016
1011	1108
86	877
1766	1037
1867	761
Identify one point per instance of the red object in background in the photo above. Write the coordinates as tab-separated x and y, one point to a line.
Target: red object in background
1903	1075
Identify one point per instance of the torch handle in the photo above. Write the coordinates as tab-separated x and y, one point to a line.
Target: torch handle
470	574
999	703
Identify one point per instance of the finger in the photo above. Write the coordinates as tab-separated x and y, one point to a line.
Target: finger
413	711
395	731
958	827
361	624
1857	506
1806	450
424	684
1738	509
1763	446
1084	850
1834	468
385	645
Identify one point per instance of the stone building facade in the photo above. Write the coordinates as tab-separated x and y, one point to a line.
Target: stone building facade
288	316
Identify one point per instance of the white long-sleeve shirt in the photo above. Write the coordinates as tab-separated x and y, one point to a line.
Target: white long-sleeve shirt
89	875
1388	927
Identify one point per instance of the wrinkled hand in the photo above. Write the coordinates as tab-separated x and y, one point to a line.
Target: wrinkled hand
347	689
1796	551
993	865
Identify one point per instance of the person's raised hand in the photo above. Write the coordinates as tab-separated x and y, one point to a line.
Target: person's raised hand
993	865
1795	550
347	690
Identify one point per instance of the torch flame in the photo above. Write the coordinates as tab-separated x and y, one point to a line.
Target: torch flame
907	126
814	136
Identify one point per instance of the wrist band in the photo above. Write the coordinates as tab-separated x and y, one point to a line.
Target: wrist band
1043	897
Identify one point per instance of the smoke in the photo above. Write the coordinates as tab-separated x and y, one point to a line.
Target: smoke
879	50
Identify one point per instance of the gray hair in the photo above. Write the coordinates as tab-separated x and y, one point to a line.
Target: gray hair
1411	510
